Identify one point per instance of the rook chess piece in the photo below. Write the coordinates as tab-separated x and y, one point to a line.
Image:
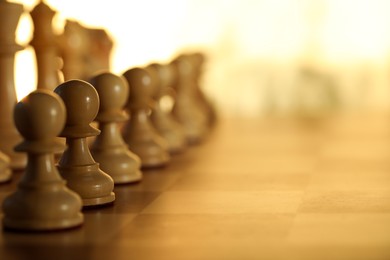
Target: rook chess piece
162	119
139	132
9	17
109	149
41	201
5	171
76	165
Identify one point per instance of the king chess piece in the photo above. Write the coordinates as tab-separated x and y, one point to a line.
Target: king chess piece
138	132
42	201
109	148
5	171
161	116
9	18
76	165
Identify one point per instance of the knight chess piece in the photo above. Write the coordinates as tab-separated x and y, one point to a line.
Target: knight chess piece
77	165
9	18
138	132
45	44
42	201
161	116
187	109
109	148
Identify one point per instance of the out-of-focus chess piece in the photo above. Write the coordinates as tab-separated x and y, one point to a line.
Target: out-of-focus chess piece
139	133
99	51
42	201
109	148
45	44
198	60
5	171
188	109
161	116
74	45
9	136
76	165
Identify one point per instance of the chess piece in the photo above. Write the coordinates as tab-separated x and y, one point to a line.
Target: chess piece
76	165
5	171
74	44
42	201
187	109
99	52
9	136
109	148
198	60
45	46
139	132
163	121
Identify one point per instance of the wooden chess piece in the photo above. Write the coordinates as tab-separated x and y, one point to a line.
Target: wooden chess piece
42	201
99	52
161	117
9	136
139	132
198	60
74	44
76	165
45	45
5	171
109	148
187	109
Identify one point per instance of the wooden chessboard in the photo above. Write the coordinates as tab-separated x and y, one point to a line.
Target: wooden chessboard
256	189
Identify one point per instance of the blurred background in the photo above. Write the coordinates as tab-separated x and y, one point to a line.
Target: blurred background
265	57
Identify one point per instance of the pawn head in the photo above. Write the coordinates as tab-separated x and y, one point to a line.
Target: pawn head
82	104
113	92
141	84
40	116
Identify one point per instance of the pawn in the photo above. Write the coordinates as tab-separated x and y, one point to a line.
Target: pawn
5	171
162	119
139	132
42	201
109	149
76	165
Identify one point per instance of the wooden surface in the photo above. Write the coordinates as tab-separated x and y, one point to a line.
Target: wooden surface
256	189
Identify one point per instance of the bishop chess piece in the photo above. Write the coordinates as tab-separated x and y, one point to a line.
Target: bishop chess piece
42	201
45	44
161	116
109	148
139	132
5	171
76	165
9	18
187	109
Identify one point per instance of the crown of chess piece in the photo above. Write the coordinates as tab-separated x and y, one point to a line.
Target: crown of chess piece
5	171
139	133
187	109
161	117
45	44
42	201
109	148
77	165
9	18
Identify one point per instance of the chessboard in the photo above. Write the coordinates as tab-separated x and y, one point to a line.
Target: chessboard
262	188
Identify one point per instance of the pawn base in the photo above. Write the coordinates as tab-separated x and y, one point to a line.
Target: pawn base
99	201
42	224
